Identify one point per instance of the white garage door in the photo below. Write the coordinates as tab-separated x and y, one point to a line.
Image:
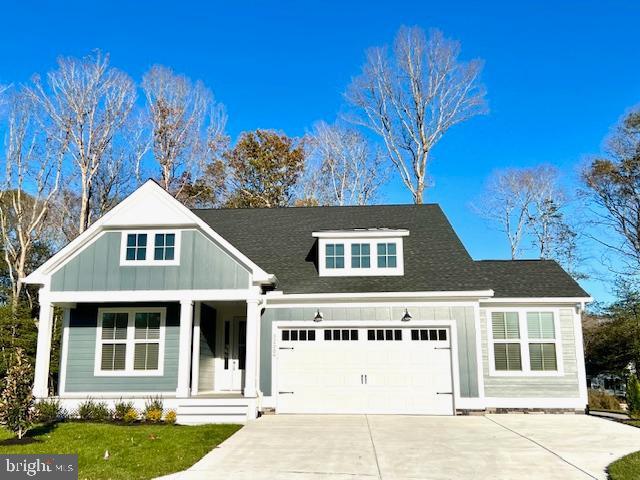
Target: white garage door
364	370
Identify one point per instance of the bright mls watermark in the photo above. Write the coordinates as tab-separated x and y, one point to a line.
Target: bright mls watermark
50	467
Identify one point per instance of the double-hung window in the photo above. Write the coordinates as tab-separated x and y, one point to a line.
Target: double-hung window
334	255
130	341
542	345
387	255
150	247
506	341
524	342
360	255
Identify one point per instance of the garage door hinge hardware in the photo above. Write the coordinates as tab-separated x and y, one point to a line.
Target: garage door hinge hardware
286	348
282	393
444	393
442	348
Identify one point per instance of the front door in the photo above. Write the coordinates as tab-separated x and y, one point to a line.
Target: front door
234	347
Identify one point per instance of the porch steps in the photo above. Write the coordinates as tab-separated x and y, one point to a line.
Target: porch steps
199	411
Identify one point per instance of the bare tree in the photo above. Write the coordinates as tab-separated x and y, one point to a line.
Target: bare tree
529	205
187	127
413	97
32	177
88	102
343	168
506	201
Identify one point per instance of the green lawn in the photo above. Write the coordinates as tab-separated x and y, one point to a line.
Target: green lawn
135	452
627	468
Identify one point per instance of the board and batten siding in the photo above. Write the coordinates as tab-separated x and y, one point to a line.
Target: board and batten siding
463	316
203	265
81	352
565	386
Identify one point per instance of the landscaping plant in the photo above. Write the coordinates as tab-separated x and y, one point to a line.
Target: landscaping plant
94	411
120	410
16	401
49	411
130	416
170	417
153	410
599	400
633	395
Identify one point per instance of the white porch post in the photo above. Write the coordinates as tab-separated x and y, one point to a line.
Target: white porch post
195	359
43	352
251	364
184	352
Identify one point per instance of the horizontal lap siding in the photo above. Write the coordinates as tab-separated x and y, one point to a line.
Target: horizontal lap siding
82	348
463	316
203	265
565	386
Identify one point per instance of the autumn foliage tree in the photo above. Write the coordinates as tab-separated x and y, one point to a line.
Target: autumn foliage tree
264	168
613	184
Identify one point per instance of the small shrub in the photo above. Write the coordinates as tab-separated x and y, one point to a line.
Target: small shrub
153	409
94	411
130	416
633	395
170	417
120	410
16	400
50	411
603	401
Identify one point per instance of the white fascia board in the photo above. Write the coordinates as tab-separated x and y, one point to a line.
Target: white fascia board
106	296
476	294
182	217
550	300
374	233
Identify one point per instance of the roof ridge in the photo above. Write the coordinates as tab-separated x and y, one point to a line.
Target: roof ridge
310	207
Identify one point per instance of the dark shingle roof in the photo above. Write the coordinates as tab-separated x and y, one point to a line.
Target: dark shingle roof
529	278
279	241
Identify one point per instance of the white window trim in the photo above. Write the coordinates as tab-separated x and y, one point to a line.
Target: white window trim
524	341
348	270
130	342
151	240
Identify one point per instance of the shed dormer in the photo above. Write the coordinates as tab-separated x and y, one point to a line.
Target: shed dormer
361	252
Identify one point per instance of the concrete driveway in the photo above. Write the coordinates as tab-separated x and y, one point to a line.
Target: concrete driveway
408	447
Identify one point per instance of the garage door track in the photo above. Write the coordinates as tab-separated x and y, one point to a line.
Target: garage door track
412	447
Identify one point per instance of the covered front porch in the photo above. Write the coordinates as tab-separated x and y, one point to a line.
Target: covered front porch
206	366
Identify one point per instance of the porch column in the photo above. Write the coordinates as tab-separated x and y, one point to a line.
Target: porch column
184	351
43	352
251	364
195	359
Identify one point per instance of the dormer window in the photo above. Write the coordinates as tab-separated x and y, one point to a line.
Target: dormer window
360	255
334	256
387	255
345	253
152	247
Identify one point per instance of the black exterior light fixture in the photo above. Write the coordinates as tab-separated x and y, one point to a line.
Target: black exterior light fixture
407	316
318	317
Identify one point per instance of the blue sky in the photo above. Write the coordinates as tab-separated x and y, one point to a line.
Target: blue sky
558	73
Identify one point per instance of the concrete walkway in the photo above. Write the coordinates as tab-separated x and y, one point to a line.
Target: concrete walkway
406	447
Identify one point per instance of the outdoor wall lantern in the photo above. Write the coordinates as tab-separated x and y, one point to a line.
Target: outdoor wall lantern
318	317
407	316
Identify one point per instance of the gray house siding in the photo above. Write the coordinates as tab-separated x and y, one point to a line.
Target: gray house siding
203	265
463	316
82	347
565	386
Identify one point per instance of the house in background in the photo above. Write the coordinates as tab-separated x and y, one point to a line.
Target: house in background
377	309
